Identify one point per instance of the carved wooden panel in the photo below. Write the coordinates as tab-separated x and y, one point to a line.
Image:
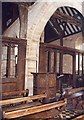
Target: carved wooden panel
45	83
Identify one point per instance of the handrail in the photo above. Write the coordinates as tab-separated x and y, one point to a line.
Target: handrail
58	47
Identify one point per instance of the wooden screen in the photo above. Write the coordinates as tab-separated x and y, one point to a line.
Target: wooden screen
13	64
51	60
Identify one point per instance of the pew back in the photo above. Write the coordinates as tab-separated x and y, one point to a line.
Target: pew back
14	94
23	99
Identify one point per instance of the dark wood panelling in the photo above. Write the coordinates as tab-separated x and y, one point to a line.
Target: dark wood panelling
17	82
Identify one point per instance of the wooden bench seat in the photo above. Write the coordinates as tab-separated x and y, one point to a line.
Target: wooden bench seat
81	117
40	111
75	90
20	103
20	106
30	109
23	99
76	95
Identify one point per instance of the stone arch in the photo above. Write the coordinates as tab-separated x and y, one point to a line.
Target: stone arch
39	21
46	11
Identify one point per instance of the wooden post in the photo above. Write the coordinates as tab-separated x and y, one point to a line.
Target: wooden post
55	61
8	61
78	63
74	70
21	65
61	63
49	62
23	16
82	66
61	58
0	68
42	58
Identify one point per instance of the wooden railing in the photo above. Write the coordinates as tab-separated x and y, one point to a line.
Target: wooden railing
13	63
48	61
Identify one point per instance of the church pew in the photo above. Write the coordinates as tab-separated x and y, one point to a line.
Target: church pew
42	111
20	103
14	94
23	99
76	95
69	92
74	90
81	117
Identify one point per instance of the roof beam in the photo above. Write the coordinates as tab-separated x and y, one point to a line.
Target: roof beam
60	32
67	18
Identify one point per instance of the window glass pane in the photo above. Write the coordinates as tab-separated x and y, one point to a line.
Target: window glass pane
4	61
13	61
58	62
67	63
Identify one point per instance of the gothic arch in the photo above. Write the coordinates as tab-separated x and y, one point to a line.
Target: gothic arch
41	18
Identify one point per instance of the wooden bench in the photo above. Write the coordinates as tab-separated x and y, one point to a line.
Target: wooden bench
81	117
74	90
76	95
23	99
30	109
14	94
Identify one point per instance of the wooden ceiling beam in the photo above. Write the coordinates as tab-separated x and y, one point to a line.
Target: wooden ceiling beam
26	4
67	18
60	32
